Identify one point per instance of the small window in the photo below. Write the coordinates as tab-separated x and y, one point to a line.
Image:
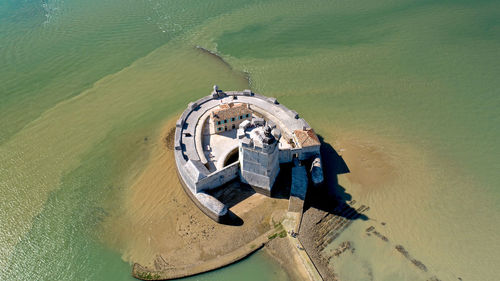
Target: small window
218	122
219	129
241	117
247	115
232	119
225	120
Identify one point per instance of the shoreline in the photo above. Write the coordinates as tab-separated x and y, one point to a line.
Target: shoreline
239	254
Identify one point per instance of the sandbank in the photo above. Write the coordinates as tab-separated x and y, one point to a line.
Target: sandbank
164	235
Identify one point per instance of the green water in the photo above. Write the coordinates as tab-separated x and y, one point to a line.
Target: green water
83	82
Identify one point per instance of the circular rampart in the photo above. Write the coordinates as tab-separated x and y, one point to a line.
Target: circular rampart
188	151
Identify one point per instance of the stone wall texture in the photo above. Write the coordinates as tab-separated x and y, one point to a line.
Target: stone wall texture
218	177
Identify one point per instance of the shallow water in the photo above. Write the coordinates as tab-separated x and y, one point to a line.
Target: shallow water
409	85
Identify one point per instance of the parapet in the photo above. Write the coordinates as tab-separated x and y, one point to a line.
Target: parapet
247	93
196	170
257	121
245	124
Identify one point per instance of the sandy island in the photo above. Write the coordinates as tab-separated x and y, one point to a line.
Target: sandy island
162	232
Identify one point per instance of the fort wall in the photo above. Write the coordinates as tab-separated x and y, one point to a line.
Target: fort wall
187	146
218	177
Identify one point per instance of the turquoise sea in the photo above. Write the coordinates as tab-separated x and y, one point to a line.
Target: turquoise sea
406	91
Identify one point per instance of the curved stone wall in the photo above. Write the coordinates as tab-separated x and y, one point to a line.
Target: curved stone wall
195	177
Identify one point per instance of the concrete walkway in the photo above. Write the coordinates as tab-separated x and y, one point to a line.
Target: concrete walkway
292	223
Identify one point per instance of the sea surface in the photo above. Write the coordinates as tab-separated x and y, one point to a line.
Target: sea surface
407	91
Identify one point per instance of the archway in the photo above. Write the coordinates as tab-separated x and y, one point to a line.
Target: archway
231	157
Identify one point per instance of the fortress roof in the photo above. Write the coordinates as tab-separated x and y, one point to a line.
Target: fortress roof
228	110
306	137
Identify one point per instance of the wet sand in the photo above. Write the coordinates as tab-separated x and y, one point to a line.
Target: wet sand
370	164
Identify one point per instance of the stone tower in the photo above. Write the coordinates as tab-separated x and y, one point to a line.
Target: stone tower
258	155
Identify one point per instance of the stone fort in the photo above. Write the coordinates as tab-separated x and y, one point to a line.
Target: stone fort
240	135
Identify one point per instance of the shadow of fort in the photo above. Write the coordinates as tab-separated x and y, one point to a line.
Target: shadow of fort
330	196
231	194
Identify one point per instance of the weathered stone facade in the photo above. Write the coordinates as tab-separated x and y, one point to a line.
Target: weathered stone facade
229	116
259	156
